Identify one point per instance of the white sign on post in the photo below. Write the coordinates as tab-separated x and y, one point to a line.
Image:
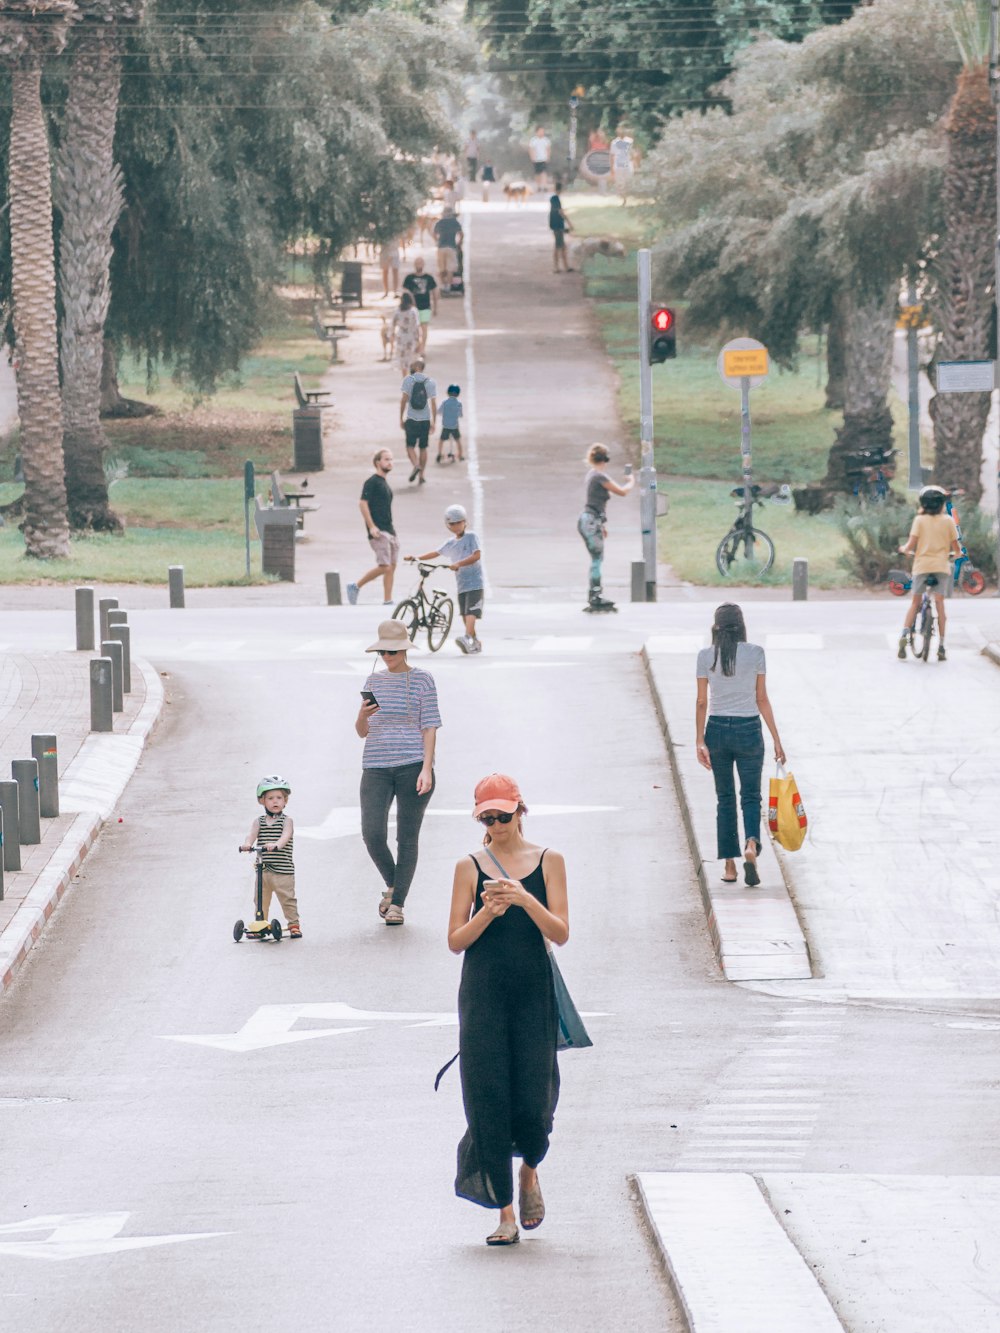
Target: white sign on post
966	376
743	359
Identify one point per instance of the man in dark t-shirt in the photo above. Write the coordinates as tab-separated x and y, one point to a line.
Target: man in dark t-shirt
424	290
376	510
448	234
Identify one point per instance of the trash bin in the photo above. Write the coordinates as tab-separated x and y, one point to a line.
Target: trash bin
350	282
307	436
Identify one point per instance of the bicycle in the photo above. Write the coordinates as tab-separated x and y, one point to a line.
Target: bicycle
923	627
869	472
966	577
434	613
745	552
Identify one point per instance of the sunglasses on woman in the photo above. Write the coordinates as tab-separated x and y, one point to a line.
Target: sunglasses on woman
490	820
389	652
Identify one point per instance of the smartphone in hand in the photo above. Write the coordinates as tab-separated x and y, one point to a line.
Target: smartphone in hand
628	469
369	697
491	885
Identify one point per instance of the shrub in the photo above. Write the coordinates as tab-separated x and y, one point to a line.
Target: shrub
874	534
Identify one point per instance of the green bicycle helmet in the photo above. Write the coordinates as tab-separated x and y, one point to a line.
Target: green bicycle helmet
273	783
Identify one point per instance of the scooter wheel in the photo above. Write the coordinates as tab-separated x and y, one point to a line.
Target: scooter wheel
238	930
972	582
276	929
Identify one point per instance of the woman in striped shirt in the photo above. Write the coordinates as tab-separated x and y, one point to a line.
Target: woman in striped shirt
399	730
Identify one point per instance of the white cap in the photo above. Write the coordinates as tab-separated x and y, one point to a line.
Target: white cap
455	514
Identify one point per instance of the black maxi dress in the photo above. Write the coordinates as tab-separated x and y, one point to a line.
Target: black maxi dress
508	1025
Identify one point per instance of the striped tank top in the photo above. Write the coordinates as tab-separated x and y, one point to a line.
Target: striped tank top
270	828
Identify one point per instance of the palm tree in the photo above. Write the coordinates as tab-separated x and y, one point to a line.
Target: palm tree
30	30
964	266
89	197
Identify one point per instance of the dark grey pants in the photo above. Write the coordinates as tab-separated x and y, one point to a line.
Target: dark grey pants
379	788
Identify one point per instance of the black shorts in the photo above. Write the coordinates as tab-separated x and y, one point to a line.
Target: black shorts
560	239
450	433
540	168
471	603
417	433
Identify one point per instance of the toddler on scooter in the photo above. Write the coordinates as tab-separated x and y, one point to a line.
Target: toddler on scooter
273	831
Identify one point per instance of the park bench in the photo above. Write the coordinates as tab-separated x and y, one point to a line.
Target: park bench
329	327
282	499
309	397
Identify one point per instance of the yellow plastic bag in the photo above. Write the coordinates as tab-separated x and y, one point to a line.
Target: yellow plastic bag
786	816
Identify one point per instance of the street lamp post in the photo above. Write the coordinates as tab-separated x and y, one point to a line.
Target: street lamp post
574	103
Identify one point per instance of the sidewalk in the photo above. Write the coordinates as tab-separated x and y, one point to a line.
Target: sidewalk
896	886
50	693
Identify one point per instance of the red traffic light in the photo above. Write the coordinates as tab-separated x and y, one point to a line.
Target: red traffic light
663	320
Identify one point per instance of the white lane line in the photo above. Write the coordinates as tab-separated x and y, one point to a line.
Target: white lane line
470	414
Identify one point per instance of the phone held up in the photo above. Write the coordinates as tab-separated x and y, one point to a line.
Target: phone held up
628	469
491	885
369	697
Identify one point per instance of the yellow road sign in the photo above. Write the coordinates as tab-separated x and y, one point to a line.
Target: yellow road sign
745	361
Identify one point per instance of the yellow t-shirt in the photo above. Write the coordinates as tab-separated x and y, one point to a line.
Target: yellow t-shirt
934	535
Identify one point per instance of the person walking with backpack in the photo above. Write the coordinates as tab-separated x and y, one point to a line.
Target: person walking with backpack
418	416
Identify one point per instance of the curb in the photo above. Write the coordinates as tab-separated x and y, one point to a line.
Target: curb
757	936
992	651
91	787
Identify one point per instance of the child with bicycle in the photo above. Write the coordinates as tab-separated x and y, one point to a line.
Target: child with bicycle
462	551
933	542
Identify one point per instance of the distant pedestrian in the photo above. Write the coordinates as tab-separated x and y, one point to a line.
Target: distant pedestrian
472	155
592	523
376	510
540	150
388	258
448	234
451	434
559	225
424	290
274	831
404	333
488	178
933	542
502	918
463	554
418	416
399	730
622	154
732	696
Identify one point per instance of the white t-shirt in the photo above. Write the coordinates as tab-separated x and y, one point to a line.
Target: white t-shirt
539	147
621	154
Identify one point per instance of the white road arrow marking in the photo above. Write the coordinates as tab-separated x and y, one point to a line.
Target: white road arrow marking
344	821
272	1023
83	1235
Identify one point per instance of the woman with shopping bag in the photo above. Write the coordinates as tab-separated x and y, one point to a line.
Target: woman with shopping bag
732	700
508	902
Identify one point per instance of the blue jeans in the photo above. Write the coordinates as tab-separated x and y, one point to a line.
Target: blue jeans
735	741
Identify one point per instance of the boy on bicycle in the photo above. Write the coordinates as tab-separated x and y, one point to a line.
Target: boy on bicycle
933	541
463	555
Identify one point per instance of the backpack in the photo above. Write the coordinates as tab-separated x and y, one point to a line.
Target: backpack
418	394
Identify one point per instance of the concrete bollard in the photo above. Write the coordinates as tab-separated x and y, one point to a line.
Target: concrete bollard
117	618
29	824
124	636
46	755
101	688
800	579
11	838
175	578
85	619
105	605
638	580
1	856
113	649
333	594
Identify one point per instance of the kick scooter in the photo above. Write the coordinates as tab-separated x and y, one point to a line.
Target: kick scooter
259	928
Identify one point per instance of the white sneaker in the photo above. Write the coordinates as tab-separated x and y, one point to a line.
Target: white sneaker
476	646
463	643
352	593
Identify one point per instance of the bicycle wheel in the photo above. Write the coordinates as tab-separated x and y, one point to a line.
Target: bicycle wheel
439	622
744	554
923	632
971	580
409	613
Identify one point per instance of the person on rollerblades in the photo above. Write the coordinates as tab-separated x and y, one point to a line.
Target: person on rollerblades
592	523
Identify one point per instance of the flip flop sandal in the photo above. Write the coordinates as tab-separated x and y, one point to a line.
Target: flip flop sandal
531	1206
505	1234
385	904
729	879
750	873
295	932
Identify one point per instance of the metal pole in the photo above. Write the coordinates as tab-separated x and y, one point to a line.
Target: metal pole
574	102
913	380
29	824
11	839
647	470
101	685
84	619
995	94
1	855
745	449
46	755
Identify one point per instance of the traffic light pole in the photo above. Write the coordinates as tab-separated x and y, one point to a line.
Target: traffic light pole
647	470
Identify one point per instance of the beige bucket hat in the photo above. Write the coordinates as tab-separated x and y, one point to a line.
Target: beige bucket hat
392	638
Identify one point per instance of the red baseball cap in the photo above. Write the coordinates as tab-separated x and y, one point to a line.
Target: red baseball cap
497	792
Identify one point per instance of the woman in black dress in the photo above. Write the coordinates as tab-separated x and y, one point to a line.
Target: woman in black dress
502	920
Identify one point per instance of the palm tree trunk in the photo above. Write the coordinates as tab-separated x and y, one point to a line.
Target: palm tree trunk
963	302
836	352
869	324
33	288
88	193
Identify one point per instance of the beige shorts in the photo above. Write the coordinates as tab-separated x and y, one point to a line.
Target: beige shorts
386	548
447	257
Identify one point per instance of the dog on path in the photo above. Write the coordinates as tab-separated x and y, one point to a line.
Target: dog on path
597	245
516	192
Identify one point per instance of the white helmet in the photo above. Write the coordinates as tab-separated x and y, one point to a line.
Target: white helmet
455	514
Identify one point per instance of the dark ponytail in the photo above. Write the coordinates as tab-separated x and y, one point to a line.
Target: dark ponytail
728	630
